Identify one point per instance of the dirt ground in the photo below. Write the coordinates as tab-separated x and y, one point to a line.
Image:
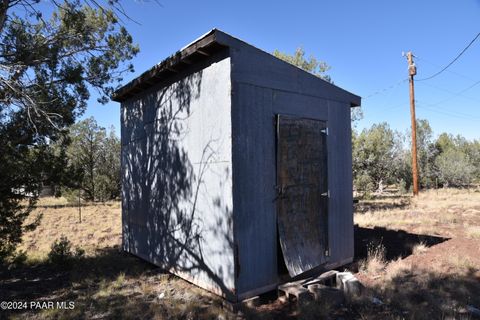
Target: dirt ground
420	257
417	258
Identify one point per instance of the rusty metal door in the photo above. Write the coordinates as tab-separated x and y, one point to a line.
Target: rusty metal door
302	188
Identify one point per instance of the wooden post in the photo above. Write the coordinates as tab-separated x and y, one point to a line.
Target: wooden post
412	71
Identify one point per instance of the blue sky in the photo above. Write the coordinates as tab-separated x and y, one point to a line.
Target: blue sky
362	41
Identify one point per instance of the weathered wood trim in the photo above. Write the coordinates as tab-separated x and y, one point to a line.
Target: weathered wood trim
172	64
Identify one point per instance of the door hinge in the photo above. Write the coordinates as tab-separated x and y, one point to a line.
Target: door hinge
326	194
327	253
324	131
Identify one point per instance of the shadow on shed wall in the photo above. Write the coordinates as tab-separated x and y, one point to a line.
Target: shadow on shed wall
175	210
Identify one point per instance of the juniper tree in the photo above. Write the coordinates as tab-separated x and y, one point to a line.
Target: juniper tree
48	65
316	67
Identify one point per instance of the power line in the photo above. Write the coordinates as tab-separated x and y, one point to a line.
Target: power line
470	87
450	70
454	94
385	89
444	110
453	61
455	114
450	114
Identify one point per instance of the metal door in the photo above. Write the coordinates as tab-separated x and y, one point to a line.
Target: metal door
302	202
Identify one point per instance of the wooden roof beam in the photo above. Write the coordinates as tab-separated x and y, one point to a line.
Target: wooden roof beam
203	52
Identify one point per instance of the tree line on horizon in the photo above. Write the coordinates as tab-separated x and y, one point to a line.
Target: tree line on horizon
91	163
382	157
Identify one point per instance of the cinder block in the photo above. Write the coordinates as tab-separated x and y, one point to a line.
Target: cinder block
252	302
283	299
349	284
327	278
329	295
295	290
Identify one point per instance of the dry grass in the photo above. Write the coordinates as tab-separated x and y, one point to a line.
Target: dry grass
420	248
375	263
427	212
473	232
100	228
460	264
52	201
434	281
105	283
396	269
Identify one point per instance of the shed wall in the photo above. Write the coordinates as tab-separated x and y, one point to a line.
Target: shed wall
263	87
177	176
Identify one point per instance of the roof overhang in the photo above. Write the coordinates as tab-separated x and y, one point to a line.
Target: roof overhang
202	48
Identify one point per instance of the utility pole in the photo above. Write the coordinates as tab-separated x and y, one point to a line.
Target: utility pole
412	71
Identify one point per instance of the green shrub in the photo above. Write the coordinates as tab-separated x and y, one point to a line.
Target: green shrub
79	252
454	168
404	188
71	195
61	251
18	259
363	183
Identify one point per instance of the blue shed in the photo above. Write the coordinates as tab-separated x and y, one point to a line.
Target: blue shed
236	168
